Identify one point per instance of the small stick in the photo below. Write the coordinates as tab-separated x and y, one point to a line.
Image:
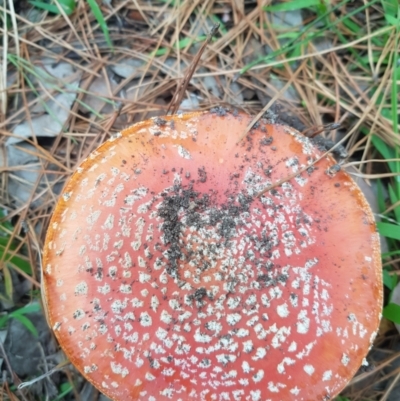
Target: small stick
311	132
46	375
14	376
287	178
291	176
180	90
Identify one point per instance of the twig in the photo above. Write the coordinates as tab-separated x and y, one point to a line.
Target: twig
291	176
180	91
269	104
14	376
315	130
57	368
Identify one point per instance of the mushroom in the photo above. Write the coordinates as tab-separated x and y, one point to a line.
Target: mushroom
171	272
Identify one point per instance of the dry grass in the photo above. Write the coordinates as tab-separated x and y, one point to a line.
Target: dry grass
350	81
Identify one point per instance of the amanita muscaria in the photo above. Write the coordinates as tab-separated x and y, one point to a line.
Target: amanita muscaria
167	278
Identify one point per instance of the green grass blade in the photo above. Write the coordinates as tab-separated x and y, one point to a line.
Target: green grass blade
31	308
6	225
28	324
181	45
65	389
293	5
19	314
20	263
392	312
386	151
395	75
390	8
395	90
217	20
298	41
389	230
389	280
67	5
101	21
51	8
8	284
389	254
15	260
394	199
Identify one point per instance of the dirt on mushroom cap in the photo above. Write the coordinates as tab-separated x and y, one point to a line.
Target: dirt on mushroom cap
167	278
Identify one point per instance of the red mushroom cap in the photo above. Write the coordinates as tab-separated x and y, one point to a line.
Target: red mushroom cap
167	278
